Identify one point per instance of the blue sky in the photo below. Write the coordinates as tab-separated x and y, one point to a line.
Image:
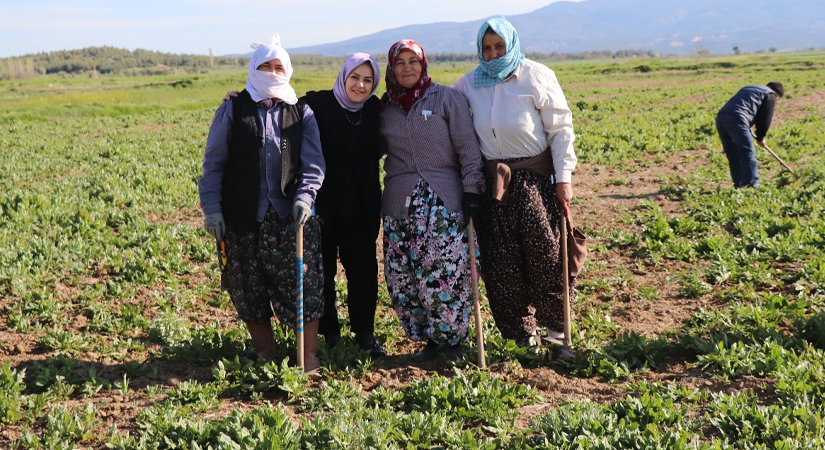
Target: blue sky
195	26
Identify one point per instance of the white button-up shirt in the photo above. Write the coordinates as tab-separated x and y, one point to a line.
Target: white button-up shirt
523	116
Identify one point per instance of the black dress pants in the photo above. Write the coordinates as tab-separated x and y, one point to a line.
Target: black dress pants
353	240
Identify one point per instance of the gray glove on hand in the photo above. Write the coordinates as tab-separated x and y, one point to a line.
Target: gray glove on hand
214	225
301	211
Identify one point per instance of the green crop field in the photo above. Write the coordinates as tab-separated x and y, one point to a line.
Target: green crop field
698	324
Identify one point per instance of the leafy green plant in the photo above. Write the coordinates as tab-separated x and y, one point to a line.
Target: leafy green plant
693	286
11	386
586	425
64	427
629	352
472	397
739	358
245	378
57	370
812	329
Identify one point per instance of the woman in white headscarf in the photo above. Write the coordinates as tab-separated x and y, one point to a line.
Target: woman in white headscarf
349	202
262	169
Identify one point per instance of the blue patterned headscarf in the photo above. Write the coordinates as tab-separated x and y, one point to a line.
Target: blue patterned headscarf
490	73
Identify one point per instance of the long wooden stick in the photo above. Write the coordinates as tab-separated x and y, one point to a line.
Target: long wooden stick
482	363
777	158
222	261
565	275
299	330
781	162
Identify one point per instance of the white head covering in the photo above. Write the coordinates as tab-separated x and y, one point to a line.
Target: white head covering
261	84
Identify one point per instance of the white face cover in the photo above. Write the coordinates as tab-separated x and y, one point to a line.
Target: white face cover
270	85
261	84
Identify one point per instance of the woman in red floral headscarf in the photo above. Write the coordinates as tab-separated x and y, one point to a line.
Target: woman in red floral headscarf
433	183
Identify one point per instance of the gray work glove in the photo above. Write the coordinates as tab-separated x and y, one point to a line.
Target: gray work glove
214	225
301	212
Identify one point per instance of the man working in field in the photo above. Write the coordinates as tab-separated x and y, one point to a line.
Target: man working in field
751	106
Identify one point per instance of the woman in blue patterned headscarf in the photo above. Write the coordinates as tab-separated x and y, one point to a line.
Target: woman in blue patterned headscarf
525	129
501	61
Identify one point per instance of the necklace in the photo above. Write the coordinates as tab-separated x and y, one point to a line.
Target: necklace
360	116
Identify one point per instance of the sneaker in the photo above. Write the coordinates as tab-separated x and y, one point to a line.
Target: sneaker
553	338
370	343
557	335
428	353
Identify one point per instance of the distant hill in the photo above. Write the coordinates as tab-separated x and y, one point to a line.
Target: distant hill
663	26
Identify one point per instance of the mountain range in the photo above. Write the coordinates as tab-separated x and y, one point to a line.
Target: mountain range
664	26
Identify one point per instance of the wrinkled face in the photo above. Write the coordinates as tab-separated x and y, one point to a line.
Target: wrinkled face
359	83
492	47
407	69
274	66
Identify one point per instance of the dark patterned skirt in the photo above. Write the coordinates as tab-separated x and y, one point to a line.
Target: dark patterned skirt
520	250
262	270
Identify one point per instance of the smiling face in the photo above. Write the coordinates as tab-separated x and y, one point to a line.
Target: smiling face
492	46
407	69
273	65
359	83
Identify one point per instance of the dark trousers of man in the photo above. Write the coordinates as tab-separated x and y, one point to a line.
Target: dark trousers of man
353	240
738	144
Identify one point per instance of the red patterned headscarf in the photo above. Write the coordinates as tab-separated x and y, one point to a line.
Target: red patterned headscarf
403	97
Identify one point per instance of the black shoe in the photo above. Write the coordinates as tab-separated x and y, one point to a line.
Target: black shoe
563	354
453	352
251	354
370	343
428	353
332	340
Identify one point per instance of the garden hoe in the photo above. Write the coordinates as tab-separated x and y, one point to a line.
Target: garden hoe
779	159
565	352
222	263
476	305
781	162
299	329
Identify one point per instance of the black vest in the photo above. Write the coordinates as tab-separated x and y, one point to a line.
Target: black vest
242	174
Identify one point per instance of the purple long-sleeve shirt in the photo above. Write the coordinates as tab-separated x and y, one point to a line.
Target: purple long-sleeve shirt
310	175
435	141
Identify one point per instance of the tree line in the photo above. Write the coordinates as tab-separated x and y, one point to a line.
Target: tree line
94	61
545	57
111	60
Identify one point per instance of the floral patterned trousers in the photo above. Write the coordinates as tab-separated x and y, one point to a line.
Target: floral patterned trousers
427	268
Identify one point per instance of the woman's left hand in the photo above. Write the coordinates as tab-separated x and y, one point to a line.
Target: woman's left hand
229	96
564	194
